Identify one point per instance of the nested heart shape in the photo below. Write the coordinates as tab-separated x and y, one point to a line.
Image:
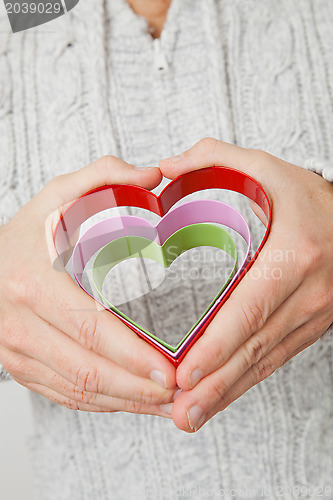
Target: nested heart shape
181	229
106	197
186	238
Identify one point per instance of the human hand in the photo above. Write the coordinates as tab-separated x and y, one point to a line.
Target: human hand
278	309
53	340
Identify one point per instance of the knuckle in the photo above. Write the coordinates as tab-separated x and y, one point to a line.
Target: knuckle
88	379
223	347
258	161
252	318
282	354
217	355
13	365
105	162
218	390
56	401
24	289
67	403
85	407
89	333
261	158
147	396
224	402
208	145
106	159
81	396
263	369
260	153
13	336
133	407
254	350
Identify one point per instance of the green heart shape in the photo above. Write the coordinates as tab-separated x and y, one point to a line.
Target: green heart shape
186	238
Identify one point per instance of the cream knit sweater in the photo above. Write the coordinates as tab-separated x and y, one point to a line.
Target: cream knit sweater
257	73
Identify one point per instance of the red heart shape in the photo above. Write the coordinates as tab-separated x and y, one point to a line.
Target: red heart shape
127	195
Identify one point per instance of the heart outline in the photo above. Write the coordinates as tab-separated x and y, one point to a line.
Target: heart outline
145	250
217	177
189	213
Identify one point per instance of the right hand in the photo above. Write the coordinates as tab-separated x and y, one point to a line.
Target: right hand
53	339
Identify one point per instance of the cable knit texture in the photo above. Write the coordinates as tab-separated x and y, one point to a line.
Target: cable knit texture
257	73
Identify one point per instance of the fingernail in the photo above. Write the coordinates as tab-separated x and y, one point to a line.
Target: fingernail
167	408
176	394
173	159
159	378
194	377
195	417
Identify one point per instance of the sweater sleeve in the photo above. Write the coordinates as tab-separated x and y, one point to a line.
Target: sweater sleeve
325	169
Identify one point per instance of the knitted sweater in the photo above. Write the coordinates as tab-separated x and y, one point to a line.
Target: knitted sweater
256	73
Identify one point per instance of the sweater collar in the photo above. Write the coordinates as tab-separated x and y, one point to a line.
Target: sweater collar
126	23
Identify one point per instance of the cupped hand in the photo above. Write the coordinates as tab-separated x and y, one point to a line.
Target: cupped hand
53	338
282	305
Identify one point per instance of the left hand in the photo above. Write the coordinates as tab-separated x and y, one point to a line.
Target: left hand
266	321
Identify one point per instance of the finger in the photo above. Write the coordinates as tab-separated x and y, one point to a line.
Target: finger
58	399
196	415
191	413
208	152
104	171
260	293
72	404
85	369
297	342
30	372
59	301
286	319
268	365
298	350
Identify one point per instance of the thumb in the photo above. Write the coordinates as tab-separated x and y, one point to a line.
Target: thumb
212	152
106	170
